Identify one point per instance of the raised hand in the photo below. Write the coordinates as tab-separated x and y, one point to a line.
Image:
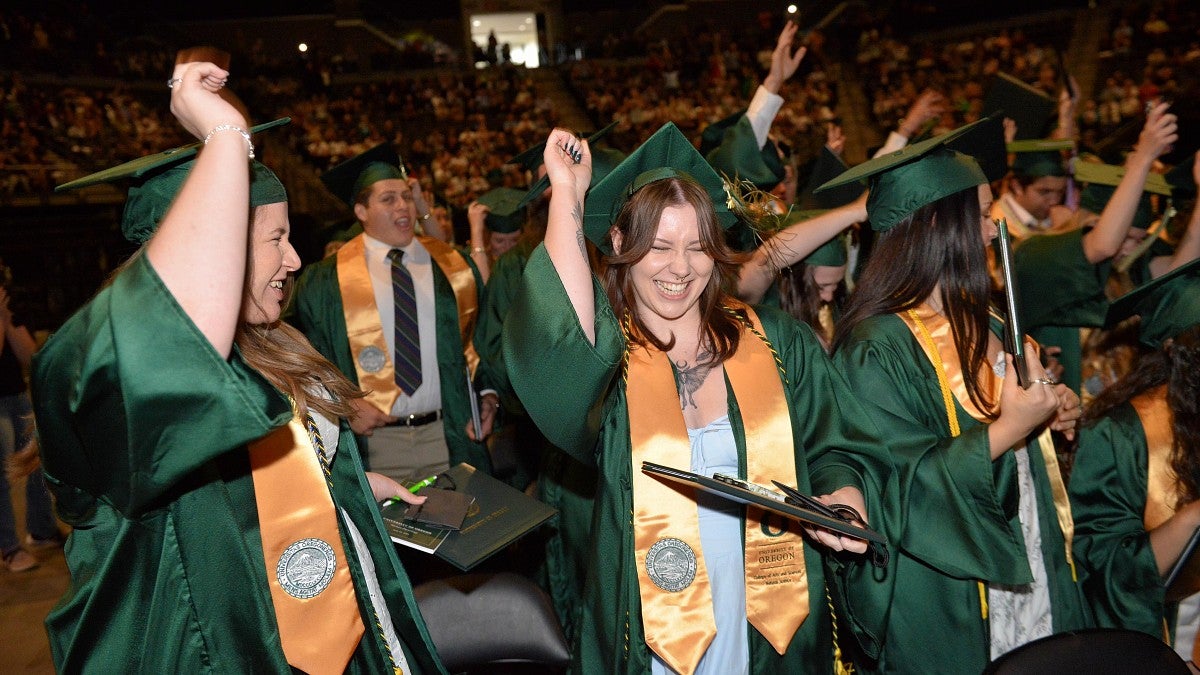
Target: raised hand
784	61
1158	134
195	101
568	163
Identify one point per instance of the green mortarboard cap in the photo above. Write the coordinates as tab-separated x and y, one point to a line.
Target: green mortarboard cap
1095	173
738	156
531	158
1031	108
348	179
506	209
905	180
827	167
1168	305
136	169
606	163
158	178
666	154
604	160
1180	178
1038	158
984	142
1101	181
712	135
830	254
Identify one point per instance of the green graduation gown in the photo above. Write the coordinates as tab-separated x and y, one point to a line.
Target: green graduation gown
1108	497
1061	292
317	312
958	522
563	481
574	391
143	429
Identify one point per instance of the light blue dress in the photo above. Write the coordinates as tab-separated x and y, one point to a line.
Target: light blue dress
715	451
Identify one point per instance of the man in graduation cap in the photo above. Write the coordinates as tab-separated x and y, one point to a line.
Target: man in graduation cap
1037	182
1135	511
396	312
1061	277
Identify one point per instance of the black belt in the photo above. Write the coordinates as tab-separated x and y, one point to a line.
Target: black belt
416	420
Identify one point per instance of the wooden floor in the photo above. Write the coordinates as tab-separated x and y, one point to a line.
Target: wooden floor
25	599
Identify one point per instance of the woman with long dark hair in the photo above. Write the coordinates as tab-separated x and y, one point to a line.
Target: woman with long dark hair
1135	485
983	531
655	361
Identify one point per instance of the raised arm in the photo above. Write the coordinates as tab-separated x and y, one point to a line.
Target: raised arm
477	217
1104	240
199	250
767	101
429	225
791	245
565	241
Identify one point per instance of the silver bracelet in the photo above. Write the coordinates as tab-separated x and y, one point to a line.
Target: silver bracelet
232	127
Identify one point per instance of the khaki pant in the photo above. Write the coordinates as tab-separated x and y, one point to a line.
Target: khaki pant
409	453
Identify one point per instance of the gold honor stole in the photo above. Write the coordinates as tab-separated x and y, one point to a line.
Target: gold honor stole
933	332
368	347
677	611
315	604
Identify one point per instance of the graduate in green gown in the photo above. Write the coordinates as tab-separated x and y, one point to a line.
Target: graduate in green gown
562	481
418	415
1062	277
1136	478
983	528
189	437
659	364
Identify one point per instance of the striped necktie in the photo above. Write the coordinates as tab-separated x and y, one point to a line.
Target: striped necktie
407	361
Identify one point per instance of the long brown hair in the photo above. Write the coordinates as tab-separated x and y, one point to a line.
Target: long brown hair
940	242
638	224
1177	365
282	355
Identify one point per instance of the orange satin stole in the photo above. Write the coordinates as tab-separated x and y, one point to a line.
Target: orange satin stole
678	624
302	549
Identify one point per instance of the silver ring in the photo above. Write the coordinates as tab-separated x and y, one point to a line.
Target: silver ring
171	82
1043	380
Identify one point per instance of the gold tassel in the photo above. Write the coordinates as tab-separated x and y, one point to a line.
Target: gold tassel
840	666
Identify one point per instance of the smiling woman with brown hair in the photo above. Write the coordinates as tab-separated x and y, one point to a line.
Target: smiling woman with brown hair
662	364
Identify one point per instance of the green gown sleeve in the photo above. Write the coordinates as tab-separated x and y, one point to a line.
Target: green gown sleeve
561	377
948	490
1108	499
1057	284
138	361
843	448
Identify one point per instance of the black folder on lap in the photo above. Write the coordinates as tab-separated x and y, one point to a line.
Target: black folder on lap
763	497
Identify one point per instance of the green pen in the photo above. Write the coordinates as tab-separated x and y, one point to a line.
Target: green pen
425	483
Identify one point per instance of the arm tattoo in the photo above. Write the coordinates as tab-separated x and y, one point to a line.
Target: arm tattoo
688	380
577	214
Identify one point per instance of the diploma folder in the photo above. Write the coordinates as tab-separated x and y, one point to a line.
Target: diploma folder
500	515
764	498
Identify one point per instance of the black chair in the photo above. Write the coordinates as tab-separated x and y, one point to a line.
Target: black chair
493	623
1098	651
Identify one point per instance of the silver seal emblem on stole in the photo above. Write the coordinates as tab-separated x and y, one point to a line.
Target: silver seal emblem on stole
306	568
372	359
671	564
